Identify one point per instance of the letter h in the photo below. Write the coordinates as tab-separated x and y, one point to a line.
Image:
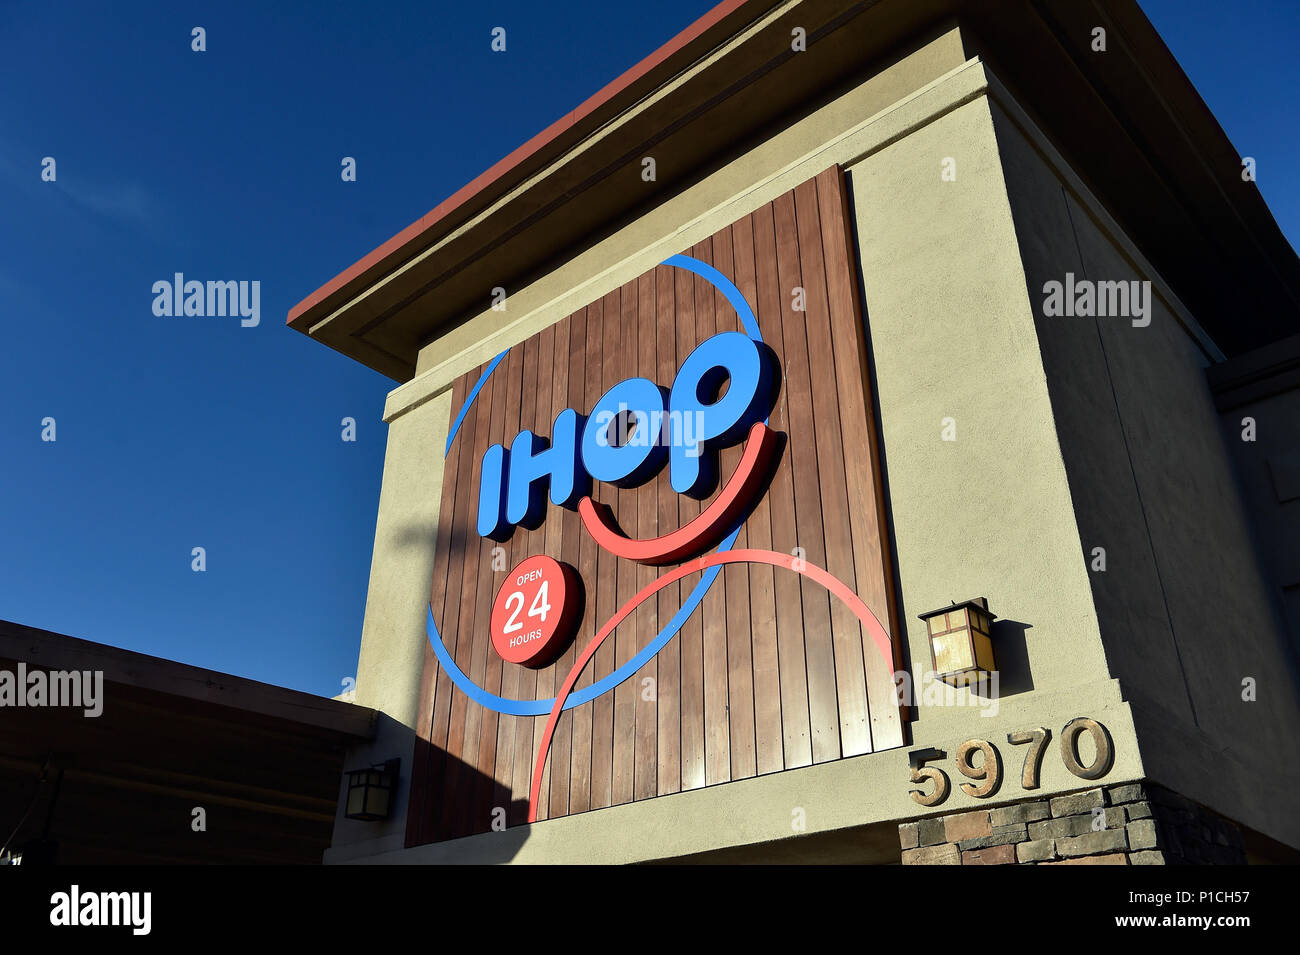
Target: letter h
513	483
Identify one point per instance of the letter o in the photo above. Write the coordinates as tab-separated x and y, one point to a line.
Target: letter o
637	459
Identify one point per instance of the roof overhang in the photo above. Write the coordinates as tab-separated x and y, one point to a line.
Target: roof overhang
120	786
1129	121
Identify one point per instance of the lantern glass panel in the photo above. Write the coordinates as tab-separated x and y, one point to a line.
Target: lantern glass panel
356	798
952	652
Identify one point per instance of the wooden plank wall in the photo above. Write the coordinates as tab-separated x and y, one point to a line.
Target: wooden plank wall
770	673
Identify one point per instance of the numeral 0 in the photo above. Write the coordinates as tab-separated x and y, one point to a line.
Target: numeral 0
1105	754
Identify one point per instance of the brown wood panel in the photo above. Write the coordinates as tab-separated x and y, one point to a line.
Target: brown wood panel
602	717
846	636
570	351
624	751
819	654
645	694
478	593
508	726
769	673
548	544
735	579
505	420
796	727
691	638
559	529
757	533
580	761
524	546
492	790
669	660
717	737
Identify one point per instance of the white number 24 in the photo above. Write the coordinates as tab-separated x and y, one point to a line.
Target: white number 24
540	608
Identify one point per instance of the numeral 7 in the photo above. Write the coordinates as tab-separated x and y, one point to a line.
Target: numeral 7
1037	738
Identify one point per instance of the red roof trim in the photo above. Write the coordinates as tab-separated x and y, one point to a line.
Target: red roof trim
532	146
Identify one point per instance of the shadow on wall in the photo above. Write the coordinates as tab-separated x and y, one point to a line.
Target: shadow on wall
898	629
450	799
1012	655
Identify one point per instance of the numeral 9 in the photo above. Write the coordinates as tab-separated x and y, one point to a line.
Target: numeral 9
989	770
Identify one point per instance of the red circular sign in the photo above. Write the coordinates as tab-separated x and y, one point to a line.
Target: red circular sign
535	611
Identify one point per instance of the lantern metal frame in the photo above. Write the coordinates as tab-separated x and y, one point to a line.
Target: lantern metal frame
367	786
965	630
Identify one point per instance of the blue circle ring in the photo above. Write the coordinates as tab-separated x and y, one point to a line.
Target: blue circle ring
511	707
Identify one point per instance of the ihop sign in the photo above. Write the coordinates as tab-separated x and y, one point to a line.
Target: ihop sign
723	388
721	395
654	398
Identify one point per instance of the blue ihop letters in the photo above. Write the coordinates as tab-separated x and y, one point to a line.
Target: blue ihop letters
608	448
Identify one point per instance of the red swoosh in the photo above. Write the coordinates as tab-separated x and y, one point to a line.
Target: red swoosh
868	619
706	529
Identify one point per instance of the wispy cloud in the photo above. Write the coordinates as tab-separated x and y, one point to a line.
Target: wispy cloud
123	203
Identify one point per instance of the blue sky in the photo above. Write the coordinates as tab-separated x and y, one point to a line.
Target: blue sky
174	433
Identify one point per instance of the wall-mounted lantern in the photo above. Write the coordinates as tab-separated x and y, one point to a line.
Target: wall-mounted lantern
370	791
960	647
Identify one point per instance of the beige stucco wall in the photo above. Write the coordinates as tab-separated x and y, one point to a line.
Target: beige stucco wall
393	634
952	338
1268	465
1184	604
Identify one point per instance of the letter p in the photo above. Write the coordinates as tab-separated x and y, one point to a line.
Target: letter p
732	360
